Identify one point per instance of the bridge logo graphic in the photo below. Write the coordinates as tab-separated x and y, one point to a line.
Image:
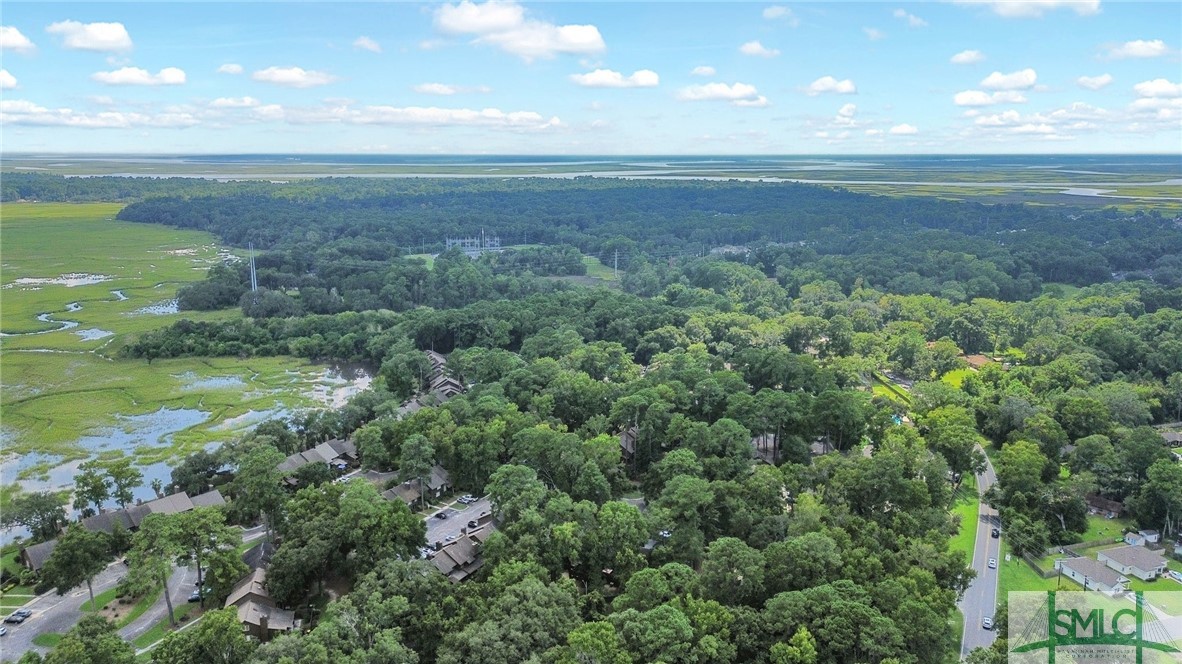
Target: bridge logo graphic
1083	626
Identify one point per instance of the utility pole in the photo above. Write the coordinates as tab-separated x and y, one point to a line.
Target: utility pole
617	264
254	279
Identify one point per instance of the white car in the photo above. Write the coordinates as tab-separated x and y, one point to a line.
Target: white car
993	563
987	622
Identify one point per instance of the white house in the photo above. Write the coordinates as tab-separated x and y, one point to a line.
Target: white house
1092	575
1134	561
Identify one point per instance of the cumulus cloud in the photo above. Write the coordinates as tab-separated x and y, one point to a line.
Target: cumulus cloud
1139	48
1019	80
874	34
293	77
912	20
366	44
230	68
234	102
22	112
11	39
759	50
137	76
979	98
703	70
103	37
503	23
1094	82
781	13
969	57
1035	8
7	80
830	84
1158	87
606	78
874	132
903	130
738	94
344	113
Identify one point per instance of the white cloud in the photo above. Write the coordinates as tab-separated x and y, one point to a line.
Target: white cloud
503	23
106	37
1019	80
979	98
294	77
21	112
446	89
606	78
7	80
969	57
874	34
703	70
780	12
738	94
847	111
1139	48
234	102
1158	87
230	68
11	39
1094	82
758	50
344	113
845	116
102	100
759	102
903	130
912	20
137	76
830	84
874	132
1035	8
366	44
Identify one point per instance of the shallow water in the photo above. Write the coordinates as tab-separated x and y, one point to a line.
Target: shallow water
157	309
94	334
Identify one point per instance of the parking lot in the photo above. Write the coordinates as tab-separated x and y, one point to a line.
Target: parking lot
458	516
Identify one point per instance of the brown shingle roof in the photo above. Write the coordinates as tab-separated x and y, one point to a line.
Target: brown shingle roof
36	555
209	499
250	587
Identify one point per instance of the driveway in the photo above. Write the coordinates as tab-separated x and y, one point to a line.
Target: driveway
980	600
54	613
182	582
458	516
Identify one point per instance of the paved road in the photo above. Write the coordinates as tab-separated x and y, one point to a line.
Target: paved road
458	516
54	613
182	582
980	600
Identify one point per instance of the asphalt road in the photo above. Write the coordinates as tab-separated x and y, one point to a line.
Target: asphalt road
980	600
458	516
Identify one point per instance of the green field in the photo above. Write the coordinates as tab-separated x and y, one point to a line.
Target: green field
65	397
968	508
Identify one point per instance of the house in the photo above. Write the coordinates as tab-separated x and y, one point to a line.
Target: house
337	453
1110	508
438	483
628	444
460	559
1142	537
1178	548
977	361
445	388
259	555
258	613
1092	575
1172	438
1134	561
130	518
34	557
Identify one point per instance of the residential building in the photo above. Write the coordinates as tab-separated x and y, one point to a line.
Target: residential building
438	483
1109	508
261	618
462	557
628	439
1134	561
340	454
1092	575
34	557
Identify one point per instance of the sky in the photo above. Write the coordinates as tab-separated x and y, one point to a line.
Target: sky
603	78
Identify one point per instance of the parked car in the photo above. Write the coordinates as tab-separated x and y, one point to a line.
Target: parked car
993	563
987	622
441	515
996	533
15	619
3	631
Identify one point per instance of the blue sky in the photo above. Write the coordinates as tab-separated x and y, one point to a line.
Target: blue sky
501	77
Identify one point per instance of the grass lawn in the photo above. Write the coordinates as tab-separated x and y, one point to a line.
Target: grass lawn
598	270
101	600
968	508
426	258
47	639
160	629
1102	528
956	376
83	389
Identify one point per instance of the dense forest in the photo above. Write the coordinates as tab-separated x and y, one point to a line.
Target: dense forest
800	410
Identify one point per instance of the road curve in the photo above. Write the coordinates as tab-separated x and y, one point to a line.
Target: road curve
980	600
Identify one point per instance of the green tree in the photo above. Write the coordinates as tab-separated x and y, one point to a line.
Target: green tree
94	640
77	558
594	642
42	512
416	460
514	489
1159	502
125	478
92	486
800	649
202	534
153	549
257	488
732	572
217	639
